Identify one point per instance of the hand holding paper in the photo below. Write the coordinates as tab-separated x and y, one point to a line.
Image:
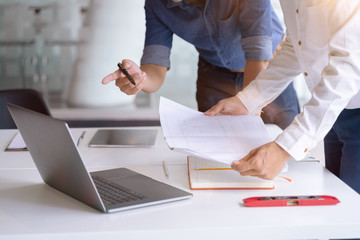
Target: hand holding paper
264	162
220	138
228	106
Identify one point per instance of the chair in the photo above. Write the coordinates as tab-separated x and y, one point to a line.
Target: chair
27	98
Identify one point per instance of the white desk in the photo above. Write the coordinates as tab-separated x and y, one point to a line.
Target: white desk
30	209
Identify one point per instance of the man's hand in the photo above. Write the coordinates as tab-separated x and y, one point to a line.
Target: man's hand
123	83
228	106
264	162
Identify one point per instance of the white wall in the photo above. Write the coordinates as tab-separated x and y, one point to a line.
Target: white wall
180	84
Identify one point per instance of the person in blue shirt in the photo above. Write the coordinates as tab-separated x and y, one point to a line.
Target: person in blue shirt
235	40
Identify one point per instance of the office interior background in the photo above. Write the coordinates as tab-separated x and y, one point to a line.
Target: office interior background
64	49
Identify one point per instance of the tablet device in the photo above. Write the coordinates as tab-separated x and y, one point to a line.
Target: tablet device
124	138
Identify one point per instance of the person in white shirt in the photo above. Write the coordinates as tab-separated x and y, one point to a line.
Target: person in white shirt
323	44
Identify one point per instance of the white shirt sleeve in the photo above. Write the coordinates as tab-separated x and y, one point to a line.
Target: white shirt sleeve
338	83
271	82
333	85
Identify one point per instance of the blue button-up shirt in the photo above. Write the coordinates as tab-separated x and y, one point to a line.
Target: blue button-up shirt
226	33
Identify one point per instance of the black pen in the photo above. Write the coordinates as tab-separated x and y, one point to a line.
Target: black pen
125	72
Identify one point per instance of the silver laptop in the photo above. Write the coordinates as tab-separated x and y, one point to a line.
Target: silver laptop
60	165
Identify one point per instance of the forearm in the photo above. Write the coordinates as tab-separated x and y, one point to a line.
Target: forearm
338	80
252	69
155	76
272	81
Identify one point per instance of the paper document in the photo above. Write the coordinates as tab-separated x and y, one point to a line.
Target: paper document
222	138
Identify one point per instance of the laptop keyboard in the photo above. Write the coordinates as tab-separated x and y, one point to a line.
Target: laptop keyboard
112	193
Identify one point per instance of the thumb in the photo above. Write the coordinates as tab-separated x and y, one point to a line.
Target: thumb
214	110
130	66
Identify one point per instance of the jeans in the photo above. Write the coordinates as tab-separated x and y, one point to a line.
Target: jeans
342	148
216	83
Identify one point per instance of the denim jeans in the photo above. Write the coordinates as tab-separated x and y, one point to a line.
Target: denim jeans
216	83
342	148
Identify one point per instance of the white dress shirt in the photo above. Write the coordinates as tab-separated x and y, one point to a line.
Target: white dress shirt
323	43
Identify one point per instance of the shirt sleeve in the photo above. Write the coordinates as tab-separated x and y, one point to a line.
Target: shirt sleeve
271	82
158	39
256	29
338	84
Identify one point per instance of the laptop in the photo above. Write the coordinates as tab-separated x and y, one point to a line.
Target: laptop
60	165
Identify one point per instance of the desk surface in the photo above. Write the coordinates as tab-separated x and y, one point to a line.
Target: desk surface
32	210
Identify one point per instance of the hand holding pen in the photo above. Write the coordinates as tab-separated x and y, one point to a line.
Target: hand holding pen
129	77
125	72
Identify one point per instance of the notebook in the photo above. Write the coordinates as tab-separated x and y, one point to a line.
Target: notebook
207	174
61	166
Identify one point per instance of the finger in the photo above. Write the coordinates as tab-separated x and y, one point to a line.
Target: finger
254	174
252	167
214	109
138	77
135	90
241	165
124	82
251	172
128	88
112	76
130	66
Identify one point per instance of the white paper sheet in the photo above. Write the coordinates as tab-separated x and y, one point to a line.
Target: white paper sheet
221	138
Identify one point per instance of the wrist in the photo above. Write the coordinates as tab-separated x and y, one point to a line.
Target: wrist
283	154
242	105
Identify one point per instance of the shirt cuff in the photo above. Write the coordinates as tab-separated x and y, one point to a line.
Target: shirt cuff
252	99
295	142
257	48
156	54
